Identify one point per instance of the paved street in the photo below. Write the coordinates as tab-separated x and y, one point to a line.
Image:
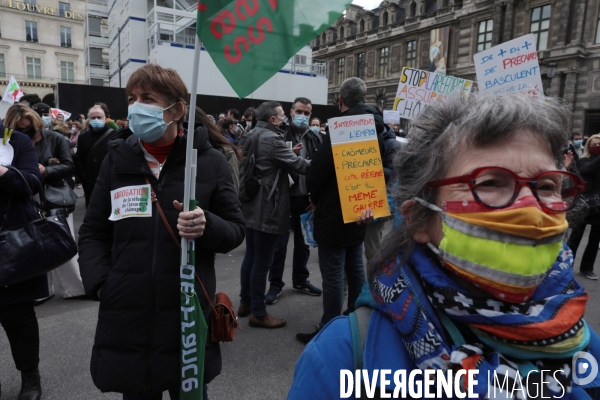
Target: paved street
259	364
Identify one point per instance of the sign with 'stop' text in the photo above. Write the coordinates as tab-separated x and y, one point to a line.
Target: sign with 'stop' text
417	89
509	67
358	166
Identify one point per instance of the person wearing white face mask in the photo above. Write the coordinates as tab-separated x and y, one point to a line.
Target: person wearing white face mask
305	143
128	245
92	147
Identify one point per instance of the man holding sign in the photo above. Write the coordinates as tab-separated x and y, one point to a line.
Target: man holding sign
340	227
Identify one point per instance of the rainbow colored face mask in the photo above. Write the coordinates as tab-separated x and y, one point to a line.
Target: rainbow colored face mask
506	252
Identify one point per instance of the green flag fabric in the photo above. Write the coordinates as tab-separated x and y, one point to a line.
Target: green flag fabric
251	40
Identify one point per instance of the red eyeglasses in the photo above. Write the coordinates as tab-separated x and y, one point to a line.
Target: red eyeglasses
495	187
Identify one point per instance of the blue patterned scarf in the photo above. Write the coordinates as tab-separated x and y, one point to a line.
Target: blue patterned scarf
420	298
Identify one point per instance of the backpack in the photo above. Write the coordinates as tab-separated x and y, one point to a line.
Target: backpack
249	184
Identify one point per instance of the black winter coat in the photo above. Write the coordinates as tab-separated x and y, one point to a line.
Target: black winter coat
136	263
330	229
55	145
89	157
21	211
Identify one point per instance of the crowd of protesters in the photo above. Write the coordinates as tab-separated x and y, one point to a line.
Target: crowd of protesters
258	175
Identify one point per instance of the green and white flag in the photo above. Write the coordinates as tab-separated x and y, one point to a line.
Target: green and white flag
251	40
13	92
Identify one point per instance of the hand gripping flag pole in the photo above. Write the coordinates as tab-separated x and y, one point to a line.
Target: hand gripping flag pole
194	330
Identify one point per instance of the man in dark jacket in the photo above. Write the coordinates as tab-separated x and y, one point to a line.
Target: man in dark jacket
340	245
92	147
298	133
267	214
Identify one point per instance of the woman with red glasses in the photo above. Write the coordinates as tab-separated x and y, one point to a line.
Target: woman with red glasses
589	168
477	276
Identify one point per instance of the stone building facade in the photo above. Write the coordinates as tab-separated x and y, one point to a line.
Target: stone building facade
41	43
376	44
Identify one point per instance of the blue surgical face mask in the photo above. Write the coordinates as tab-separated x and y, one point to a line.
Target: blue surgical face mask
300	121
578	143
46	120
146	121
315	129
97	123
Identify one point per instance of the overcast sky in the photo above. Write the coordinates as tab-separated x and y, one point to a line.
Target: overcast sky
368	4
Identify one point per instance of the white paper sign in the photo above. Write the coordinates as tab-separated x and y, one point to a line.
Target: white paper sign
391	116
7	154
355	128
130	201
509	67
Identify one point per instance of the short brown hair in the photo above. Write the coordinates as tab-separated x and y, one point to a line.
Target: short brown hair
18	111
162	80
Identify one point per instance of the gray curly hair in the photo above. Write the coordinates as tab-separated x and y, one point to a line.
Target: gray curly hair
435	137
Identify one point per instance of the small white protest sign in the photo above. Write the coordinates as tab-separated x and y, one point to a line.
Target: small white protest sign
130	201
509	67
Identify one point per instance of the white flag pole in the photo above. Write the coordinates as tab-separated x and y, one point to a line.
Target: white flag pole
190	172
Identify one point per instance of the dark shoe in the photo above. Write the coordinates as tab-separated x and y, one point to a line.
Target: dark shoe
272	295
589	275
243	311
304	338
266	321
31	387
308	288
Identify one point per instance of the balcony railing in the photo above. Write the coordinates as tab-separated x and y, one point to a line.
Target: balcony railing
25	77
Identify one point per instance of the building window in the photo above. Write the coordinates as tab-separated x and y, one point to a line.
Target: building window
65	37
34	68
598	30
384	19
360	65
413	10
2	66
540	24
341	64
384	53
67	71
324	39
411	54
300	59
484	39
31	31
62	7
380	101
362	25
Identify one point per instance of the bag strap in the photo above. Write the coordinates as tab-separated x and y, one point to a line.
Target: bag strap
164	219
359	324
274	184
36	205
107	133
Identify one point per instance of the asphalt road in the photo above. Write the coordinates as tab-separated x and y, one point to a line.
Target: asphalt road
259	364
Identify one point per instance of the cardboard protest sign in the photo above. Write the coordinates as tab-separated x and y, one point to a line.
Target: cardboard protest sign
358	166
391	116
509	67
418	88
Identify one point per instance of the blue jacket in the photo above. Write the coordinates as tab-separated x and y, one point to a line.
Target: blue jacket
317	374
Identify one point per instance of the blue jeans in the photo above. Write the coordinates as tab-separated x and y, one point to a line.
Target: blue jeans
333	261
260	250
173	394
300	272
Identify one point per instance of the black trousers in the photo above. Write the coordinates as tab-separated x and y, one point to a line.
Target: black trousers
21	327
591	250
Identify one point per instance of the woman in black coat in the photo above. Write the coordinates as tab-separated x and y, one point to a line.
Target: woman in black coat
17	315
56	166
589	169
132	264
